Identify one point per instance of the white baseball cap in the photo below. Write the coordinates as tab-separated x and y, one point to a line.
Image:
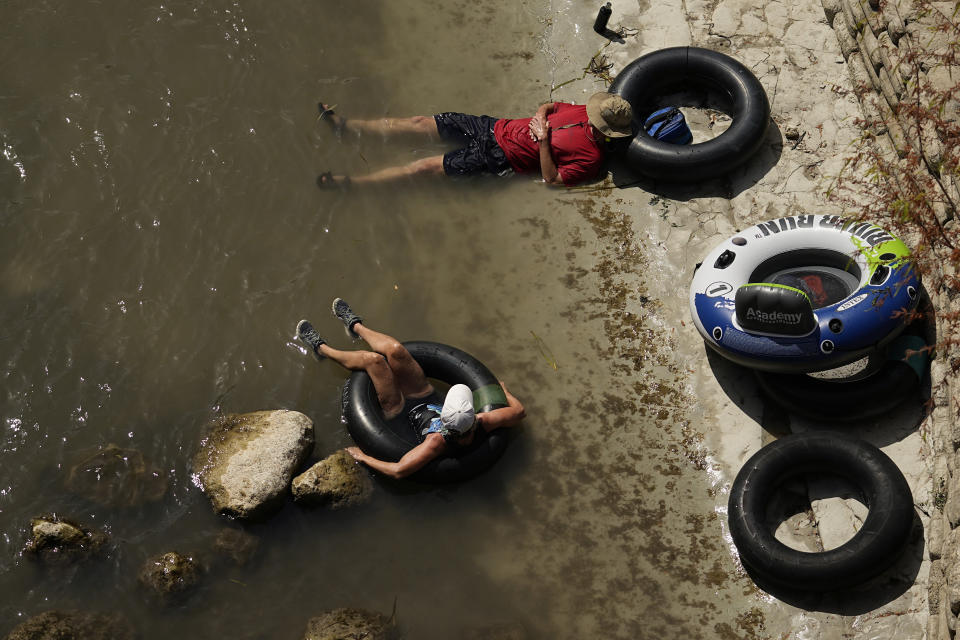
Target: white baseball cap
457	413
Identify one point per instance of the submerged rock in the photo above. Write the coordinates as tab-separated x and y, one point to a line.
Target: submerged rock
170	574
73	625
237	545
55	539
246	461
337	481
116	477
349	623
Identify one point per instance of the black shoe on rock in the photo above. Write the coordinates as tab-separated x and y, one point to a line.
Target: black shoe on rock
346	315
310	337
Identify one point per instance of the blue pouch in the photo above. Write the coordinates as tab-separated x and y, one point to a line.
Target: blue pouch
668	125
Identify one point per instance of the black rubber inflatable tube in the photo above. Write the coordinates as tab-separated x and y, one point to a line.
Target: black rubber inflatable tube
842	401
389	440
897	379
645	80
876	546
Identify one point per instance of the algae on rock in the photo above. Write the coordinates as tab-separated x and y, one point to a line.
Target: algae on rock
337	481
55	539
349	623
64	625
170	574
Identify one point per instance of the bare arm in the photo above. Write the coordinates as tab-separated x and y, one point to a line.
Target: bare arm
546	109
411	462
548	168
508	416
540	132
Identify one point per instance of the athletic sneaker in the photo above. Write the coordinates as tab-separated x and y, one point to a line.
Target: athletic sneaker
309	335
346	315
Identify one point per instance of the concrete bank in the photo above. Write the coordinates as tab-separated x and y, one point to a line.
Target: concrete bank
812	59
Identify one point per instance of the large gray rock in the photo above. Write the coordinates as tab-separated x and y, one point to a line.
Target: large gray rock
73	625
246	461
337	481
55	539
349	623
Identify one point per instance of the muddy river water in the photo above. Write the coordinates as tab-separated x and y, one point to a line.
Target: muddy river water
161	234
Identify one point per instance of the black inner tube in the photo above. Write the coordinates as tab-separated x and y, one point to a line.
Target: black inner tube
863	398
875	546
645	82
390	440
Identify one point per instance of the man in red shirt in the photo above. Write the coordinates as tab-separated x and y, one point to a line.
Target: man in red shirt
562	142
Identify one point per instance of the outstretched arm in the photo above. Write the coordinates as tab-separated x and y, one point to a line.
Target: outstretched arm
411	462
508	416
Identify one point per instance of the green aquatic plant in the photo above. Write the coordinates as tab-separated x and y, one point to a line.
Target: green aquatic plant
545	352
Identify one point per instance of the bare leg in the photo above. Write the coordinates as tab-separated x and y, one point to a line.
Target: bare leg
422	126
407	372
432	166
385	383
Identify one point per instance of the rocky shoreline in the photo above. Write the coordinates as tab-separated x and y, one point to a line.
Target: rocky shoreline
877	40
248	465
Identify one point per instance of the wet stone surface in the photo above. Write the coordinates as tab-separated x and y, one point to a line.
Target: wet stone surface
351	623
58	540
117	477
337	481
170	576
246	461
73	625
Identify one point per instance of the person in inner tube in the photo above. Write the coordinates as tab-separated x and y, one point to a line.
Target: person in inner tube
444	426
564	143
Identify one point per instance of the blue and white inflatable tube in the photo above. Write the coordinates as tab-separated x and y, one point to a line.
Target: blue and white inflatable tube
803	293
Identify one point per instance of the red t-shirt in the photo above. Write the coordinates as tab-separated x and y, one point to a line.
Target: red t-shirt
577	154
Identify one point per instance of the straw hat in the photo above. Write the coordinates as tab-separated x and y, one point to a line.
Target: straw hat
611	114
